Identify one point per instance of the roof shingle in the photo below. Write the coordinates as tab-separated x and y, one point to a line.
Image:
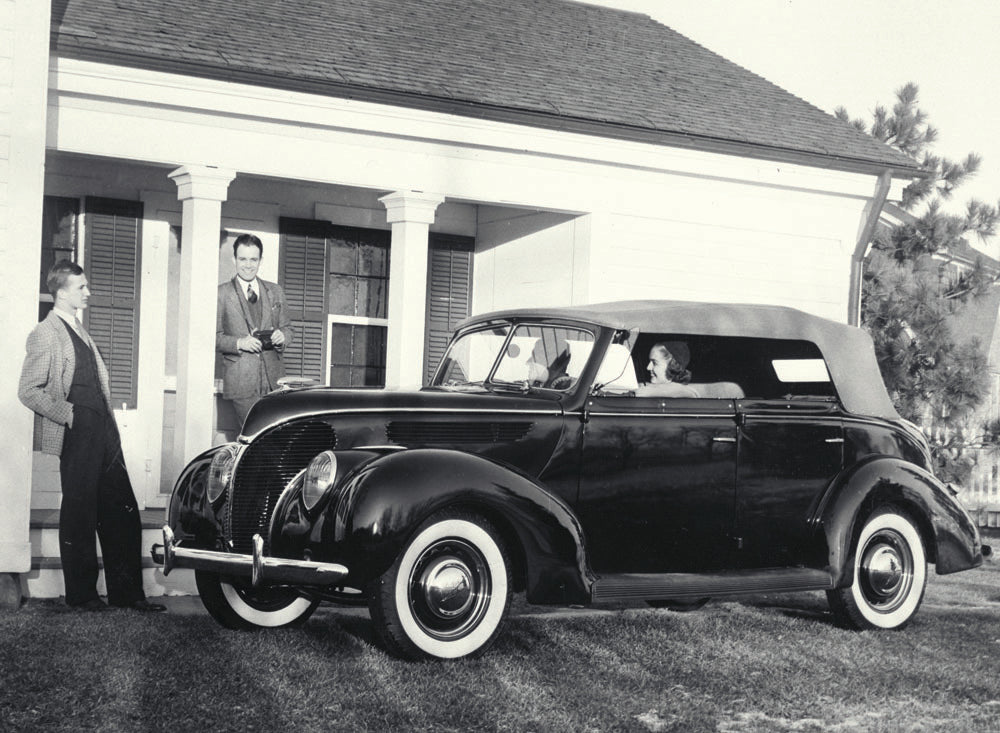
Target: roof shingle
559	62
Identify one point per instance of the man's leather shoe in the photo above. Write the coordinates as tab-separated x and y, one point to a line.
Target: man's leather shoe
145	606
94	604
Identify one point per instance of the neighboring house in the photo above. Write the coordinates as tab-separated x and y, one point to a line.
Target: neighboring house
979	320
406	163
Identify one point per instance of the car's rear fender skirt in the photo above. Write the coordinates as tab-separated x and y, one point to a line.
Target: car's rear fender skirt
386	500
951	537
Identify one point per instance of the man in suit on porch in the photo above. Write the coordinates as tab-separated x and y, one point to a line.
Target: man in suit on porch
252	329
64	379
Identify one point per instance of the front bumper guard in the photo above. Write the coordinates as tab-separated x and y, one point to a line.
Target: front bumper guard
171	554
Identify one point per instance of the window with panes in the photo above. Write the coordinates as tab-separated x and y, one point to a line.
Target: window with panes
336	282
358	304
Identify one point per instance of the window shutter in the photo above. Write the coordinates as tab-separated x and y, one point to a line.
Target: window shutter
113	230
303	278
449	291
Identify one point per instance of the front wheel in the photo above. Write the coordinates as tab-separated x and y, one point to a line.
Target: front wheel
890	574
448	592
238	605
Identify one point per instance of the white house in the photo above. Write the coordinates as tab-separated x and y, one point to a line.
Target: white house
406	163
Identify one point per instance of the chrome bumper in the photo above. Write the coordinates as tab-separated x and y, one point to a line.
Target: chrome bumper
258	568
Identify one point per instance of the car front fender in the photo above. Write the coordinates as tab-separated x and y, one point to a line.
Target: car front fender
189	513
953	536
383	503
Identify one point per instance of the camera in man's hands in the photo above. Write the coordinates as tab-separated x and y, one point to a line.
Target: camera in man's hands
265	339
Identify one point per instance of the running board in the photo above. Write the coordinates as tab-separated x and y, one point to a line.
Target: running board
650	586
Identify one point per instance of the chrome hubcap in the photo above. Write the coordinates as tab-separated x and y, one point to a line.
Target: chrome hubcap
450	589
886	570
447	585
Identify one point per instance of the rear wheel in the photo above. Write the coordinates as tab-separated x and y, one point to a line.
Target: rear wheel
238	605
448	592
890	574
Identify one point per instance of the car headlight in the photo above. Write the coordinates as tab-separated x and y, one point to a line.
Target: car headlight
319	477
221	471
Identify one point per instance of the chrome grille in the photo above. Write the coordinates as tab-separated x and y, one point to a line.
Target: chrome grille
264	470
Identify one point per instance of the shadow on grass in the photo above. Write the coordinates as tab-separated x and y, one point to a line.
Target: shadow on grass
332	627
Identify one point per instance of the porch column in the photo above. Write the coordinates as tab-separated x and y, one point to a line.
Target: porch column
24	70
410	213
202	189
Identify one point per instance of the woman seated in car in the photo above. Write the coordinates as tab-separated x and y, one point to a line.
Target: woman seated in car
668	373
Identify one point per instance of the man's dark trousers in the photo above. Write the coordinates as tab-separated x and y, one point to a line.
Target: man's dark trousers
96	497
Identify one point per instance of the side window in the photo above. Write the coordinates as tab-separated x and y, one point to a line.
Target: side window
732	367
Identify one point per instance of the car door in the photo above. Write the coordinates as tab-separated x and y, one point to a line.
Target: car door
657	483
789	452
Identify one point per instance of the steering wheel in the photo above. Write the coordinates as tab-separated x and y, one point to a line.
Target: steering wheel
563	381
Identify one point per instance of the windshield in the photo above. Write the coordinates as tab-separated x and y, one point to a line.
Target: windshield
548	357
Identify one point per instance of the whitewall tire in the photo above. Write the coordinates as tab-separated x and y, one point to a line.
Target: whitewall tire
243	607
447	594
890	574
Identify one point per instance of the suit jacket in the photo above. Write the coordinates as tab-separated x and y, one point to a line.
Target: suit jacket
47	375
241	369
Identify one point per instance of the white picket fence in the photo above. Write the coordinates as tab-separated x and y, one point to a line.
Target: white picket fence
981	493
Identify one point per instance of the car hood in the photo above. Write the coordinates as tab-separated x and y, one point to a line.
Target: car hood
279	407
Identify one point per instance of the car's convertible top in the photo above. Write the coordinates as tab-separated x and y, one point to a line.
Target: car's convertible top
848	351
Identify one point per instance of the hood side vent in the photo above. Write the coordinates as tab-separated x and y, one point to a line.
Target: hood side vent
414	432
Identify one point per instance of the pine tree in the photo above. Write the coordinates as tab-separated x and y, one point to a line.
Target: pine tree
933	374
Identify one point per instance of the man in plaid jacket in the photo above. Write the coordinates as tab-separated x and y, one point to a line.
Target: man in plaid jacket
64	379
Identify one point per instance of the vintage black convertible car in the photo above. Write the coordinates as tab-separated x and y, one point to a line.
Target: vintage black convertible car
535	461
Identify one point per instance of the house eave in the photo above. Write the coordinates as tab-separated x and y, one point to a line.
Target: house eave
530	118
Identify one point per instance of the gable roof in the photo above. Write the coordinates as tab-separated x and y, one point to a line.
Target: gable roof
549	63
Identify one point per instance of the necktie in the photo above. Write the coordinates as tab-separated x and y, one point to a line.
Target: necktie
78	326
251	295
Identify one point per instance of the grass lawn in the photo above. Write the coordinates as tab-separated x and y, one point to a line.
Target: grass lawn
762	663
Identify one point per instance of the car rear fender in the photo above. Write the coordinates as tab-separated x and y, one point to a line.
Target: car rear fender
950	536
383	502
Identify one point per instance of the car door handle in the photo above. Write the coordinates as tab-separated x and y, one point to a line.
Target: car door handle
723	439
834	440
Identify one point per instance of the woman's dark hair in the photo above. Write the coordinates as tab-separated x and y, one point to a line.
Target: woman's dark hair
250	240
677	373
678	355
